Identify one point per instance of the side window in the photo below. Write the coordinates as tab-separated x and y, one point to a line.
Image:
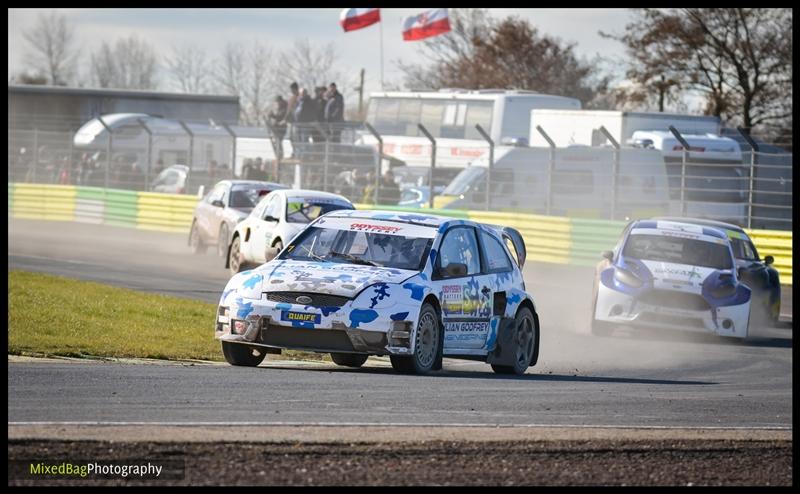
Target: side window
460	246
497	260
218	193
273	207
258	212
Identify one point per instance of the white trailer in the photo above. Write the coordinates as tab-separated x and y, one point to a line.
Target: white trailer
582	127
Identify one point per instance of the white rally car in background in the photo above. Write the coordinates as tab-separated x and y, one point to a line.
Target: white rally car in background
276	219
671	274
415	287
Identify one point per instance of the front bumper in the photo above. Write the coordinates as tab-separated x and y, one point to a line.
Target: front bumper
263	326
623	309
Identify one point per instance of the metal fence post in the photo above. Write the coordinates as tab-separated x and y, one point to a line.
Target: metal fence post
149	152
378	137
233	150
491	163
433	162
548	205
35	154
684	158
191	152
614	171
109	146
751	186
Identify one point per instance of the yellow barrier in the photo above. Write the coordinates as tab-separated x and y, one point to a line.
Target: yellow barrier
44	202
165	212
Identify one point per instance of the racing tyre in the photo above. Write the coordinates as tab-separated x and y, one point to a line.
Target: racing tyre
349	359
273	251
426	345
234	262
526	337
243	355
195	242
223	242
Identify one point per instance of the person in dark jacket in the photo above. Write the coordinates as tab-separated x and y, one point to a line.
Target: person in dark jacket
390	191
334	112
276	119
319	101
304	115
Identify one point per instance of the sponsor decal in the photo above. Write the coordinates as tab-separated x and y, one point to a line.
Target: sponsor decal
452	299
300	317
693	273
466	331
368	227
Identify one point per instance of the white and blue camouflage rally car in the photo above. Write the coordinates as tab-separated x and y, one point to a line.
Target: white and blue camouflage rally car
669	274
412	286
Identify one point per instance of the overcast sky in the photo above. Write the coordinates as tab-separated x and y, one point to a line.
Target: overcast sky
279	28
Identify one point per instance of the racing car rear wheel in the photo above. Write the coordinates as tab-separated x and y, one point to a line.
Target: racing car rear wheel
426	345
222	241
195	242
244	355
349	359
525	339
233	258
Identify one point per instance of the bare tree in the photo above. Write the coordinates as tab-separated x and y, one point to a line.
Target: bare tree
188	66
230	69
51	48
130	64
739	59
310	67
258	83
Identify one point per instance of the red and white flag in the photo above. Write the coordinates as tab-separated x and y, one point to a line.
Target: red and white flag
431	23
352	19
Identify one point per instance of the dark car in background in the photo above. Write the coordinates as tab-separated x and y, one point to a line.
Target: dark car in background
218	212
758	274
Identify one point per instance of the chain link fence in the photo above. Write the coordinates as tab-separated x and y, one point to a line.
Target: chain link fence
353	160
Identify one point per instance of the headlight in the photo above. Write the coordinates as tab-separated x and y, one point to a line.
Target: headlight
626	277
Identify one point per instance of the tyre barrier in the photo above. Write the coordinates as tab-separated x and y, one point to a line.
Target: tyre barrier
552	239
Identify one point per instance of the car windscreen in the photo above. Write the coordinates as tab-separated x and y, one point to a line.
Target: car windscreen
463	181
678	250
360	247
306	211
247	197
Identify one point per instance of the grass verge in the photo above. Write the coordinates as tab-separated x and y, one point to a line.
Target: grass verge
55	316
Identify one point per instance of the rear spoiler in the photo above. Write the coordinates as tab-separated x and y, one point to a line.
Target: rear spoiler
515	237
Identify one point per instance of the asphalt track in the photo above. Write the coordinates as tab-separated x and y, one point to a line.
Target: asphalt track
632	379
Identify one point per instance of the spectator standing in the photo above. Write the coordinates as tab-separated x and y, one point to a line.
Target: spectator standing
304	115
319	101
291	106
276	120
390	191
334	112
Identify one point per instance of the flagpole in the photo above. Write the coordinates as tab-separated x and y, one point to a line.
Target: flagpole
381	34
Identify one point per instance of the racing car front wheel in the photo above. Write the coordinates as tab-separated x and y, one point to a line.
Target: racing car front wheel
195	242
244	355
223	241
234	260
426	345
525	339
349	359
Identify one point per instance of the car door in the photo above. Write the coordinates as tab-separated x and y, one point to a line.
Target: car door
465	292
264	226
207	212
218	216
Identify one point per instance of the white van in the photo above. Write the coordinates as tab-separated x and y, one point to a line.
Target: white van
450	116
581	183
717	180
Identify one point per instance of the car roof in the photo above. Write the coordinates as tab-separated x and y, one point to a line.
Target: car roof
706	230
702	222
311	193
432	220
273	185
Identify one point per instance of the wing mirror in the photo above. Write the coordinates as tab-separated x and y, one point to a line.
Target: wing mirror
769	260
218	203
453	270
608	254
271	218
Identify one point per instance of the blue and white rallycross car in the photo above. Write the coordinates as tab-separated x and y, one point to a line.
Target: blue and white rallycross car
671	274
412	286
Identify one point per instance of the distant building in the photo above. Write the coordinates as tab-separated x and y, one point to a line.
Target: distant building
65	108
